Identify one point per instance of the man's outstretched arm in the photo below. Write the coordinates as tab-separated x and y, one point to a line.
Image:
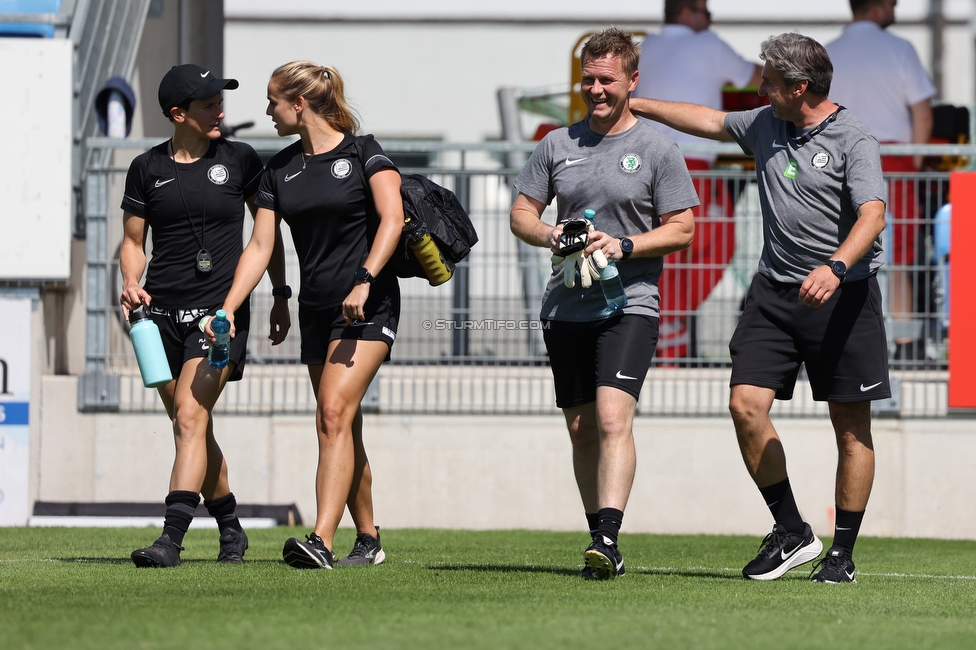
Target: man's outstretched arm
697	120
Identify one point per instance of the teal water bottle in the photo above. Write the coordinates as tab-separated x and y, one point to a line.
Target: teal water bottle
220	349
610	282
148	346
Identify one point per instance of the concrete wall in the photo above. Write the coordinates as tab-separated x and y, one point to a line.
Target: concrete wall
496	472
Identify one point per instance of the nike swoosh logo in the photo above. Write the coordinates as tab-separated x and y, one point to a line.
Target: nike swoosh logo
850	576
786	556
161	183
865	389
204	74
777	145
291	176
839	528
622	376
574	161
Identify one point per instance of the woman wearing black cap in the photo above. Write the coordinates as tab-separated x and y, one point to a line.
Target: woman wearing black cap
191	191
328	186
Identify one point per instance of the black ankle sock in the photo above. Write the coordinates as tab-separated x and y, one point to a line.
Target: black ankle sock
610	520
180	506
782	505
592	522
846	526
224	510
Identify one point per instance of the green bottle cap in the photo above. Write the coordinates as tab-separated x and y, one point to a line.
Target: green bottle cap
589	214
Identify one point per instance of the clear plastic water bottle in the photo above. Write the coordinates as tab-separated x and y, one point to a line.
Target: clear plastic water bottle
610	282
116	115
613	287
220	349
148	346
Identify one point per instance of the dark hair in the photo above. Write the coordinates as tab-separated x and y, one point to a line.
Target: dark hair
613	42
322	88
799	58
673	9
861	5
185	105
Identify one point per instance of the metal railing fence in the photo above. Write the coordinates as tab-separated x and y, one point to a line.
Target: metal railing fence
474	344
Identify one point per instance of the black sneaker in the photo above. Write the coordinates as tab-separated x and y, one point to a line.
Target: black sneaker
837	566
781	551
233	543
604	560
163	553
307	555
366	550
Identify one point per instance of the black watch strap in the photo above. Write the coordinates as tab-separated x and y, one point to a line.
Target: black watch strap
363	275
284	291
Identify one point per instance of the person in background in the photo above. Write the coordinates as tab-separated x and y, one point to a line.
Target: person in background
879	77
688	62
815	300
349	305
191	191
635	180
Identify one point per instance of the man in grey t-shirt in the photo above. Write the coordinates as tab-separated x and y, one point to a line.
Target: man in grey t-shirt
815	299
636	182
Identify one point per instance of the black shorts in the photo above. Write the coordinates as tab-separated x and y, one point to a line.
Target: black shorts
613	352
183	340
320	326
842	343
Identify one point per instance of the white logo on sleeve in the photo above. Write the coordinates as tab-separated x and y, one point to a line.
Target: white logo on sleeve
620	375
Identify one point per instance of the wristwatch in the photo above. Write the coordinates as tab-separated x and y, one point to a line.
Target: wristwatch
284	291
363	275
626	248
839	268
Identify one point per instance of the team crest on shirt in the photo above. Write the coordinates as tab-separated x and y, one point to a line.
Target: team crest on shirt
630	163
341	168
820	159
218	174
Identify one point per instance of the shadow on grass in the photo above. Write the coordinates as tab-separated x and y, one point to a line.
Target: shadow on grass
500	568
125	560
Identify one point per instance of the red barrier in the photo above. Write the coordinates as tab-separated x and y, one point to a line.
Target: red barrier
962	307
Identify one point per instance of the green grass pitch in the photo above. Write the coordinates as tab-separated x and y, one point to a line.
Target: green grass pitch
76	588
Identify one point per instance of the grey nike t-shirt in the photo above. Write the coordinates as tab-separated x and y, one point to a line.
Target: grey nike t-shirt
629	179
810	193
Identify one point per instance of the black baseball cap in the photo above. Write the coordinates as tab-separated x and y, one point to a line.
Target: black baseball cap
190	81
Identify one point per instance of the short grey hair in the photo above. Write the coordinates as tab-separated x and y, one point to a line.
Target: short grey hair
799	58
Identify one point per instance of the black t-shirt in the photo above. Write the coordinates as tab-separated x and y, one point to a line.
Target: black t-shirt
214	189
324	201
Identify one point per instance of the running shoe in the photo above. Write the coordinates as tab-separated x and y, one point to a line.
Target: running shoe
311	554
781	551
366	550
233	543
836	567
163	553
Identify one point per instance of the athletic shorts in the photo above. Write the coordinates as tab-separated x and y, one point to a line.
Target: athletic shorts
842	343
320	326
183	340
613	352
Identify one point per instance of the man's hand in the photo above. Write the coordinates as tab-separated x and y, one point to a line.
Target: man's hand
819	286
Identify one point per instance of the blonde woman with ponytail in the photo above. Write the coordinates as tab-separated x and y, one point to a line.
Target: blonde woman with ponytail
348	304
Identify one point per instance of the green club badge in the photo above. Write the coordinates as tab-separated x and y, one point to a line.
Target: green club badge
630	163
